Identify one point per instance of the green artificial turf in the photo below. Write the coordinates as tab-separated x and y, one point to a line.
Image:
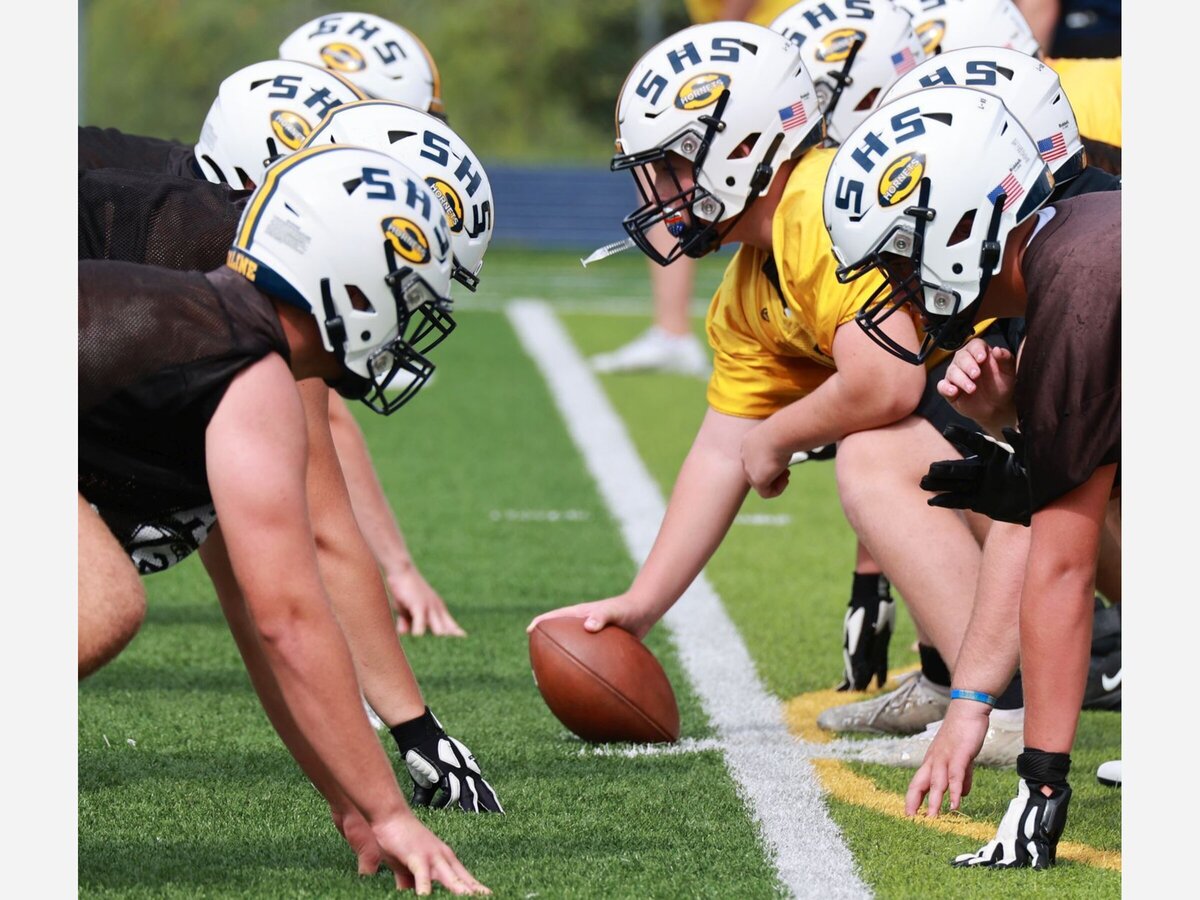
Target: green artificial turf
184	790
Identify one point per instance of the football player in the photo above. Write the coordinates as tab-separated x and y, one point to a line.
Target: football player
724	145
1034	96
382	59
200	439
184	224
969	238
1093	84
285	100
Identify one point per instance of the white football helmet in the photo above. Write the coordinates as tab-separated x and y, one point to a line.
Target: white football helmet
1029	88
927	190
385	61
730	101
360	241
953	24
428	146
854	49
263	112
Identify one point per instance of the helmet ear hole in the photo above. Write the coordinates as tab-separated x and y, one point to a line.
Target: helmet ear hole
359	300
963	229
746	147
868	101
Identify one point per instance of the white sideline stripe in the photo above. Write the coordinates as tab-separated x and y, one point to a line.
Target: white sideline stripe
770	767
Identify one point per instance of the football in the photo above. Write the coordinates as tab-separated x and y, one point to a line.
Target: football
605	686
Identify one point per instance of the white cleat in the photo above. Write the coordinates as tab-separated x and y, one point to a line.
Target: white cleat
1109	773
1003	744
656	350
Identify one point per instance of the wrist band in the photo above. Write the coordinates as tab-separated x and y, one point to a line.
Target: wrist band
957	694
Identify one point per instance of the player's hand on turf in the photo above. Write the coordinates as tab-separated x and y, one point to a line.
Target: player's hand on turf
418	858
979	384
443	770
1029	832
866	634
949	761
418	606
358	834
765	461
597	614
990	478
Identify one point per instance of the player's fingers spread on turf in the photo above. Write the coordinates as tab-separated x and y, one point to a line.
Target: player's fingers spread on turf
401	623
937	790
418	622
420	875
442	624
454	875
916	791
956	792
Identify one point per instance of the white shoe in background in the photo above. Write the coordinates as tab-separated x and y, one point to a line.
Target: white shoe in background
656	350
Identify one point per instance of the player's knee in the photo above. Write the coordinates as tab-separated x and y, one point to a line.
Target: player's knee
109	616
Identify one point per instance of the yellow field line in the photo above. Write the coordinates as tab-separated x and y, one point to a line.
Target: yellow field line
840	782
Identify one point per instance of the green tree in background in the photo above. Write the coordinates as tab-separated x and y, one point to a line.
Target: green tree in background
529	80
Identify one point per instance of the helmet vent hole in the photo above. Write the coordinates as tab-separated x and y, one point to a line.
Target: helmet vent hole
395	136
868	101
730	181
247	181
366	336
746	147
359	300
963	229
957	267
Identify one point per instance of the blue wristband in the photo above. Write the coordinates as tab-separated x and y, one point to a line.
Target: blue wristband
956	694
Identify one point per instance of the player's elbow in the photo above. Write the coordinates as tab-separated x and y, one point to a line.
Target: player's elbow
892	399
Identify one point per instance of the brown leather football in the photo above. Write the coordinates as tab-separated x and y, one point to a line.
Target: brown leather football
605	686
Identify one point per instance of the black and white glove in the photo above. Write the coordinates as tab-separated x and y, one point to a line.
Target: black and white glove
990	478
1029	832
866	634
441	765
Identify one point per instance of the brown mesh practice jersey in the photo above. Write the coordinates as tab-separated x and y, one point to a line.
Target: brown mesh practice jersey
1068	391
101	148
157	349
160	220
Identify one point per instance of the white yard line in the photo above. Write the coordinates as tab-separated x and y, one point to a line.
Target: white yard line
770	767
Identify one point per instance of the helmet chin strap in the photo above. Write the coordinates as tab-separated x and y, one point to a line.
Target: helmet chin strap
989	253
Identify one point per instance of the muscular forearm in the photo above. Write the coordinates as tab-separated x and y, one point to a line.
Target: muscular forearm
233	606
1056	611
371	507
707	495
351	577
990	649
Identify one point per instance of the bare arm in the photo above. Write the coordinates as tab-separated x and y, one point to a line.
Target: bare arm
346	816
986	663
1042	16
708	493
256	457
418	604
1056	610
870	389
350	575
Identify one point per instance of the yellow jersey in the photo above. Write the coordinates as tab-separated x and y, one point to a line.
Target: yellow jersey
764	12
773	345
1094	88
